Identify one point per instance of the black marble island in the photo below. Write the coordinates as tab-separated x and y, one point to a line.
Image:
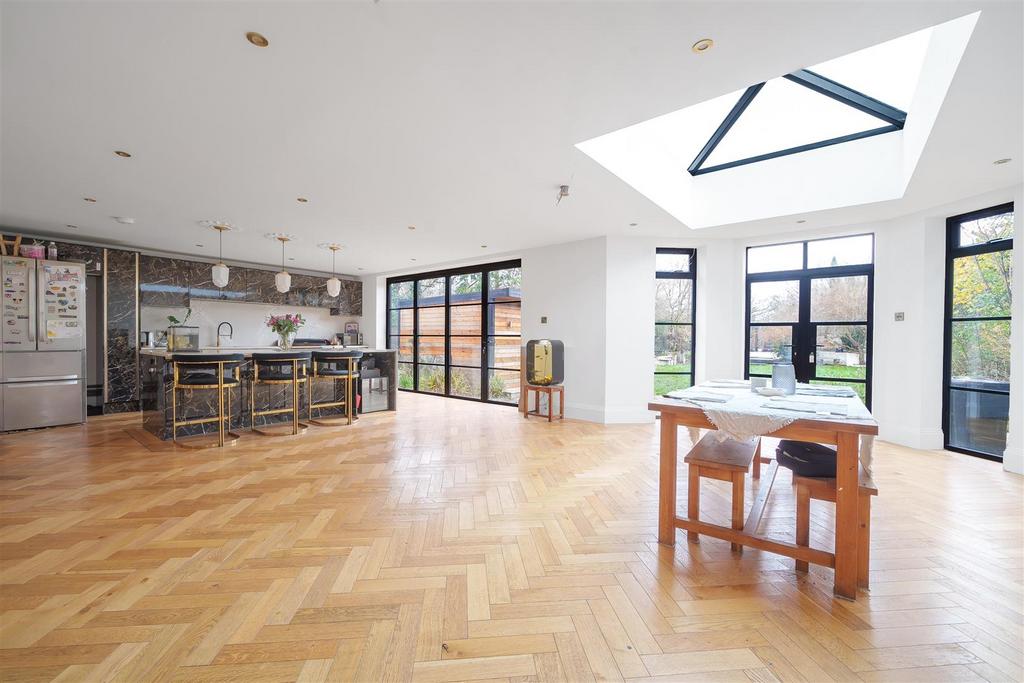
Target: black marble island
156	381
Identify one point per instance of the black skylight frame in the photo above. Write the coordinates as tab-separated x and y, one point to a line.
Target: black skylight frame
894	120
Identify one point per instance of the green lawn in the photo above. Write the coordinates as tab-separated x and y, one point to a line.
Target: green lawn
666	383
837	371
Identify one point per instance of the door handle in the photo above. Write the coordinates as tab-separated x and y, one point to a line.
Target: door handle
32	385
810	358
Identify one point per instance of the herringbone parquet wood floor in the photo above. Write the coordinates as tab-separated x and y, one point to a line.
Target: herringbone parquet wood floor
454	541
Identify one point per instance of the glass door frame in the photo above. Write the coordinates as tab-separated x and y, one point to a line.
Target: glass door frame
804	332
484	305
953	252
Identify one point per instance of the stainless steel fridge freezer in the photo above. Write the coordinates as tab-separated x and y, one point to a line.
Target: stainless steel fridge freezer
42	343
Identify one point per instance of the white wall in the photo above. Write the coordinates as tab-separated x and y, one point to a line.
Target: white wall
247	319
567	284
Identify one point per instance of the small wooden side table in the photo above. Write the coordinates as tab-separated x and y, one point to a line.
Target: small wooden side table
550	390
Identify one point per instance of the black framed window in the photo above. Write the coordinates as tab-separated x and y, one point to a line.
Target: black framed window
675	292
809	303
976	350
458	331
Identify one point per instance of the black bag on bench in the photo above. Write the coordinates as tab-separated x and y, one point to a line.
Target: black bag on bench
806	459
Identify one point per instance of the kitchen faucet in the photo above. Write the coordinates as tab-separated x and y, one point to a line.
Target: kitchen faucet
231	332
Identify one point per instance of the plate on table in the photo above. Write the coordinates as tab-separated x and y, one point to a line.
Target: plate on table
770	391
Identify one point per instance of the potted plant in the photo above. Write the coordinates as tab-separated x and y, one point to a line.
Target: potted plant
182	337
286	326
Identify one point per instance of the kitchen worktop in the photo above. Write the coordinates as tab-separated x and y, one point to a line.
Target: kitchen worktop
249	350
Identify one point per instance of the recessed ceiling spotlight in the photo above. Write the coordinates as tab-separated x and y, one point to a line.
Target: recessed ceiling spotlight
1000	162
412	259
91	200
412	227
122	153
632	225
301	200
703	45
291	258
124	220
198	245
483	246
73	227
257	39
801	221
360	268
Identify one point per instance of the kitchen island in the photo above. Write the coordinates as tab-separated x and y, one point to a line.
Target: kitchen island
157	374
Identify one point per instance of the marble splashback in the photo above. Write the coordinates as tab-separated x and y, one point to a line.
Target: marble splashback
122	345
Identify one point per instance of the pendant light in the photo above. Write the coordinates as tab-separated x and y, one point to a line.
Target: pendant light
282	280
220	271
333	283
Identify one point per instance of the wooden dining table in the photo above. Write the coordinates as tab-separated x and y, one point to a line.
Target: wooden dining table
844	434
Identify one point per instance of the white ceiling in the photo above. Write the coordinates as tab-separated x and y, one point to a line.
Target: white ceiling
459	118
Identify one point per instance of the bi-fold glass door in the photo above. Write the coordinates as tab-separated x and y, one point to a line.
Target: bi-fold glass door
458	332
809	304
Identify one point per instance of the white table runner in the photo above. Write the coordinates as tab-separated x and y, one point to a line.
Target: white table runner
741	414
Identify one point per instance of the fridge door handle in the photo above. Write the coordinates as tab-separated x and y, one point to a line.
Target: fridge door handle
32	307
42	378
60	383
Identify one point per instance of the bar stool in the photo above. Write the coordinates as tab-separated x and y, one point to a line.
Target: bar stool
196	371
332	366
273	369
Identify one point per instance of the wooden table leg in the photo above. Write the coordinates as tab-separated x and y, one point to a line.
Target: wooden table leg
847	516
551	405
693	498
667	482
561	403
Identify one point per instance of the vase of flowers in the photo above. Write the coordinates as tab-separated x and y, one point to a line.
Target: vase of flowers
286	326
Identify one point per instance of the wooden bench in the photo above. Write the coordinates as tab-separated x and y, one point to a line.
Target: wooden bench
808	488
726	460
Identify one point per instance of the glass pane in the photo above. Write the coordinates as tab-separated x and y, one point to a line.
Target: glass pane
465	351
841	351
776	257
839	298
769	346
842	251
504	285
404	346
431	350
430	292
432	379
888	71
505	318
465	319
671	263
666	383
672	344
400	321
503	386
980	355
465	382
978	422
981	285
673	301
431	320
401	295
405	376
987	229
859	387
775	302
466	288
504	352
784	115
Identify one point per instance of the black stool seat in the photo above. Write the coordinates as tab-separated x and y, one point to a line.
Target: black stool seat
335	366
277	367
334	363
201	378
331	372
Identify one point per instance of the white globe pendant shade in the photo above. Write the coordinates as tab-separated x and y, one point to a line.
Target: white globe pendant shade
220	275
333	286
283	281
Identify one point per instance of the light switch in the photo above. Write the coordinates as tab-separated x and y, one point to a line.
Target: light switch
899	316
